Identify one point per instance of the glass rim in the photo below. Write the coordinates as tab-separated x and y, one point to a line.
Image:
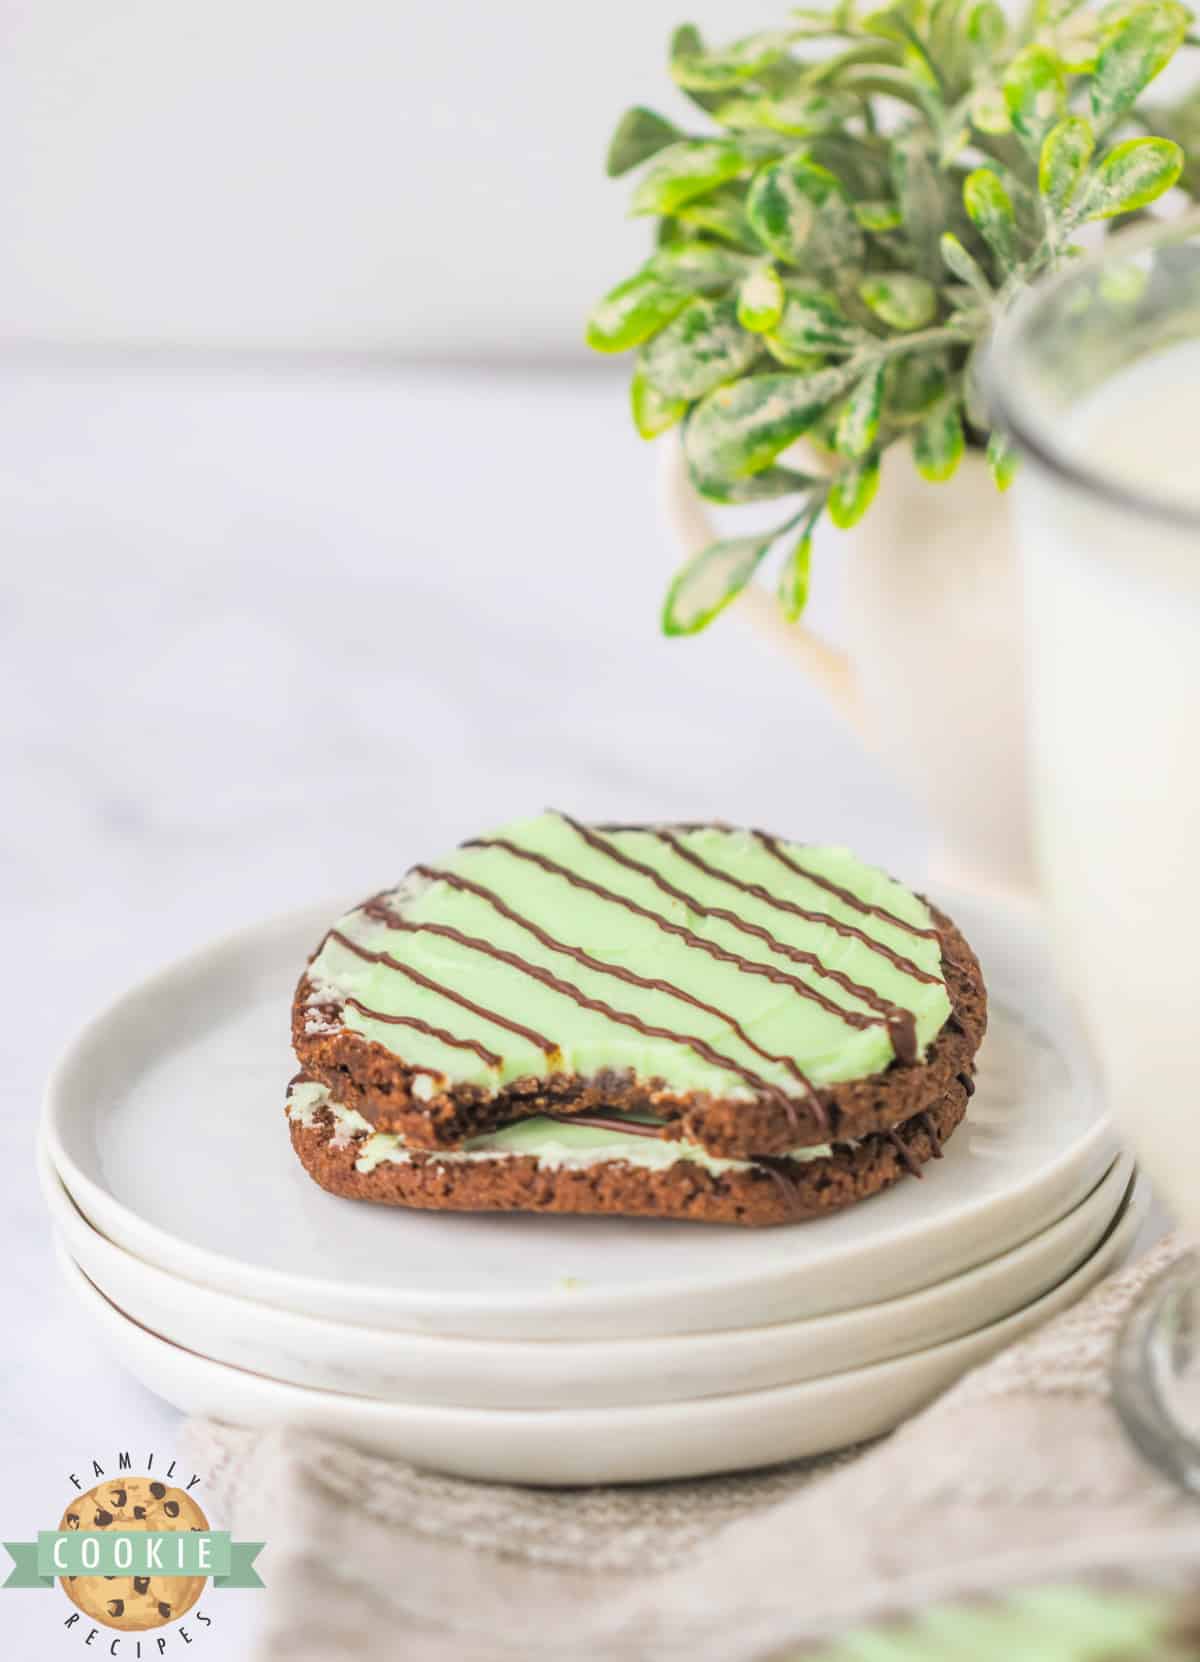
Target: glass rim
1017	417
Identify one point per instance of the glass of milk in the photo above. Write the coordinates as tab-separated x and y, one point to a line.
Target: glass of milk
1096	375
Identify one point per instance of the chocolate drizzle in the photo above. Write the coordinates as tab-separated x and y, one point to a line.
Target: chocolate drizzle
548	1047
825	919
603	1122
773	845
867	907
624	1018
415	1022
901	1022
748	966
775	1167
911	1166
798	955
879	1010
651	983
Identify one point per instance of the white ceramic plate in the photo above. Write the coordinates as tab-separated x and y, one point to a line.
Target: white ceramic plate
165	1121
482	1373
596	1445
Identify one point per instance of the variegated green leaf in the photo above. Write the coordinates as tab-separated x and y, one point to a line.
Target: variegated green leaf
822	435
986	28
1131	176
640	134
710	580
1180	120
652	412
814	322
632	312
801	115
1002	459
989	109
885	80
742	114
990	209
918	185
780	207
852	492
703	71
685	170
794	357
1035	90
878	216
1047	14
920	66
1133	53
914	384
939	442
767	486
763	233
889	22
1066	152
699	267
1076	40
965	267
794	576
760	299
698	350
953	142
945	32
723	214
741	429
800	211
1028	209
858	425
805	114
903	300
686	42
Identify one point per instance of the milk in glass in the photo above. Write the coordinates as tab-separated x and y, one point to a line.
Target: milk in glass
1114	618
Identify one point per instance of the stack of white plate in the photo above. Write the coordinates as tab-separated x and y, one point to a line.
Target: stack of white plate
554	1350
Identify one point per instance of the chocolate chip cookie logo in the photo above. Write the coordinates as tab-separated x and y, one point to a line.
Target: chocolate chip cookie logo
133	1553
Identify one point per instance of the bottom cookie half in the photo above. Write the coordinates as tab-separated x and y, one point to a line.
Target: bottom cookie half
335	1147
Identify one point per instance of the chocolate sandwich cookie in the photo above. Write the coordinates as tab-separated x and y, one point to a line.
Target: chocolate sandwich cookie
605	1164
758	995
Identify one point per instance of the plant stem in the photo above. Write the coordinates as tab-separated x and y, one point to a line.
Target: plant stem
919	341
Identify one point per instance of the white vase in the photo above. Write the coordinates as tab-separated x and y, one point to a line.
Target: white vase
932	675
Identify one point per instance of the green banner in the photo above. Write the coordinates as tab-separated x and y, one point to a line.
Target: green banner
209	1552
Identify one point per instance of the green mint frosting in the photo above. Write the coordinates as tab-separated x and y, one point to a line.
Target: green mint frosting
755	1031
552	1143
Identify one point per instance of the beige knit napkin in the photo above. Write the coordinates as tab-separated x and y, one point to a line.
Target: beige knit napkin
1019	1473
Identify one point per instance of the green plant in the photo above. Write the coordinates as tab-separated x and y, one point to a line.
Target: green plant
832	252
1042	1624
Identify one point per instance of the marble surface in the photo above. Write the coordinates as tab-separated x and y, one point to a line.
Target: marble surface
271	636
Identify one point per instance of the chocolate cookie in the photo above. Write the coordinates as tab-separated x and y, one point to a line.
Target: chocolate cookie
605	1163
134	1603
759	995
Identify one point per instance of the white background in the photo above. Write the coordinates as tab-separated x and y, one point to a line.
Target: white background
422	177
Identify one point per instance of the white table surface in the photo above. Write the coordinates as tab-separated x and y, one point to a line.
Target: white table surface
271	636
